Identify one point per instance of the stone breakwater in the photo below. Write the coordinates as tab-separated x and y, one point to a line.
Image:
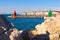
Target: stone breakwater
7	31
51	25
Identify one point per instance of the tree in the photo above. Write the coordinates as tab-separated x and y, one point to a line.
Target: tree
49	13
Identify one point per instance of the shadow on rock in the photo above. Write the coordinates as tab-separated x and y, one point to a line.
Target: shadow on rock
42	36
24	35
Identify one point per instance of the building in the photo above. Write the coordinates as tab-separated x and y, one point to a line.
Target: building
37	13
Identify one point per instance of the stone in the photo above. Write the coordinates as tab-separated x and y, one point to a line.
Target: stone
52	25
7	30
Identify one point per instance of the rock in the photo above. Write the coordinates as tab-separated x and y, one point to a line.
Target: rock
24	35
7	31
40	29
54	36
14	34
21	31
52	25
34	31
42	36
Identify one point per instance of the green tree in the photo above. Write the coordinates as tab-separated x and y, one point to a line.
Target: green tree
49	13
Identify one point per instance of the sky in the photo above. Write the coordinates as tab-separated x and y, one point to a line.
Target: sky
8	6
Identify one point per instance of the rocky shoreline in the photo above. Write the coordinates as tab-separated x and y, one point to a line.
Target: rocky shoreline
47	30
50	25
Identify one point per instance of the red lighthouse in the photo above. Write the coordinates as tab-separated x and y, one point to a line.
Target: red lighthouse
14	14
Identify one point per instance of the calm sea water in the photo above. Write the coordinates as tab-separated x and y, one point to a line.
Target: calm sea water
24	23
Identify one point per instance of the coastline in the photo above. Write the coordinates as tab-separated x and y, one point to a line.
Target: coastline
47	30
52	25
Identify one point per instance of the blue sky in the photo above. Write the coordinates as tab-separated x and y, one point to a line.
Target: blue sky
8	6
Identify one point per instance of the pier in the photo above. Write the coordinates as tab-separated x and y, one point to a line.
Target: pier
27	16
30	16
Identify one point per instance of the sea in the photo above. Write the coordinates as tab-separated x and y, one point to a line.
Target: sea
24	23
